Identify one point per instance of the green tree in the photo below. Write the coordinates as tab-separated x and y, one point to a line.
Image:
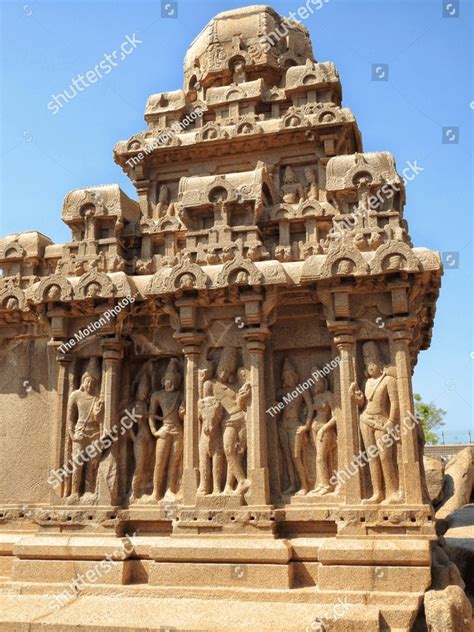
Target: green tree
431	418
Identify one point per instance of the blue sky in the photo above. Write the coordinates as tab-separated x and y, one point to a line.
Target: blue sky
429	87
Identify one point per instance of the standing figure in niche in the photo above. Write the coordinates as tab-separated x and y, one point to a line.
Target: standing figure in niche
324	434
211	446
89	223
292	432
291	190
142	440
163	200
312	189
233	400
169	435
381	412
84	418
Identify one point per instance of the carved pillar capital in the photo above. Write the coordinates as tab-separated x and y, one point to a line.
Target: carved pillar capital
255	337
402	328
191	341
343	333
112	349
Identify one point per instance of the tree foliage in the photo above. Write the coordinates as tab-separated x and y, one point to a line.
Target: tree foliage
431	418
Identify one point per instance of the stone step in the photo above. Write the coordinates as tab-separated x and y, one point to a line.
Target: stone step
32	613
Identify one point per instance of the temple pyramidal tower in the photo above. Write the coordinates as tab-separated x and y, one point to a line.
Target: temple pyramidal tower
211	385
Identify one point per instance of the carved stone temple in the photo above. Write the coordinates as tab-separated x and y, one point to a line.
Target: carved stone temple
211	385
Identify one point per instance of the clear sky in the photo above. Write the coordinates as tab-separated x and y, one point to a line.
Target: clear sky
427	98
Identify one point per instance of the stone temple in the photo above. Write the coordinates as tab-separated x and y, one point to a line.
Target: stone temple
206	404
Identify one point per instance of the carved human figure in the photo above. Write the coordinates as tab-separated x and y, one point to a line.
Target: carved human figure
246	128
238	71
211	446
186	281
169	436
345	266
89	223
233	400
92	290
312	189
380	414
12	303
54	293
291	190
394	262
142	438
291	431
324	433
84	417
163	200
242	278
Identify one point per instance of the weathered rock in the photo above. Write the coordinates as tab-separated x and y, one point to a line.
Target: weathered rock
448	610
444	571
434	473
458	481
460	543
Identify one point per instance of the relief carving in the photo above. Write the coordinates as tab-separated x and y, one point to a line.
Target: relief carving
84	424
225	400
380	413
165	419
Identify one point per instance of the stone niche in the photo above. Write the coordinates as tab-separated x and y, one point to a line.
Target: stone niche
225	350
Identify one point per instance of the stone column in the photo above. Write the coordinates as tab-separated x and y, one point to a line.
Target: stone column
410	476
108	473
257	466
191	342
348	426
60	436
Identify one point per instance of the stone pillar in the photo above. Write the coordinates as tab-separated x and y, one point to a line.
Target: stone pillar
108	473
142	192
257	466
410	476
191	349
60	436
348	426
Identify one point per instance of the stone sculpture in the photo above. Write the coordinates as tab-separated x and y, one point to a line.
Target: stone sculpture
197	312
84	423
291	431
211	446
143	444
168	433
380	415
233	399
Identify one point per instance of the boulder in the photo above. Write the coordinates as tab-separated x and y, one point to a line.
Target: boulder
459	540
448	610
458	481
434	473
